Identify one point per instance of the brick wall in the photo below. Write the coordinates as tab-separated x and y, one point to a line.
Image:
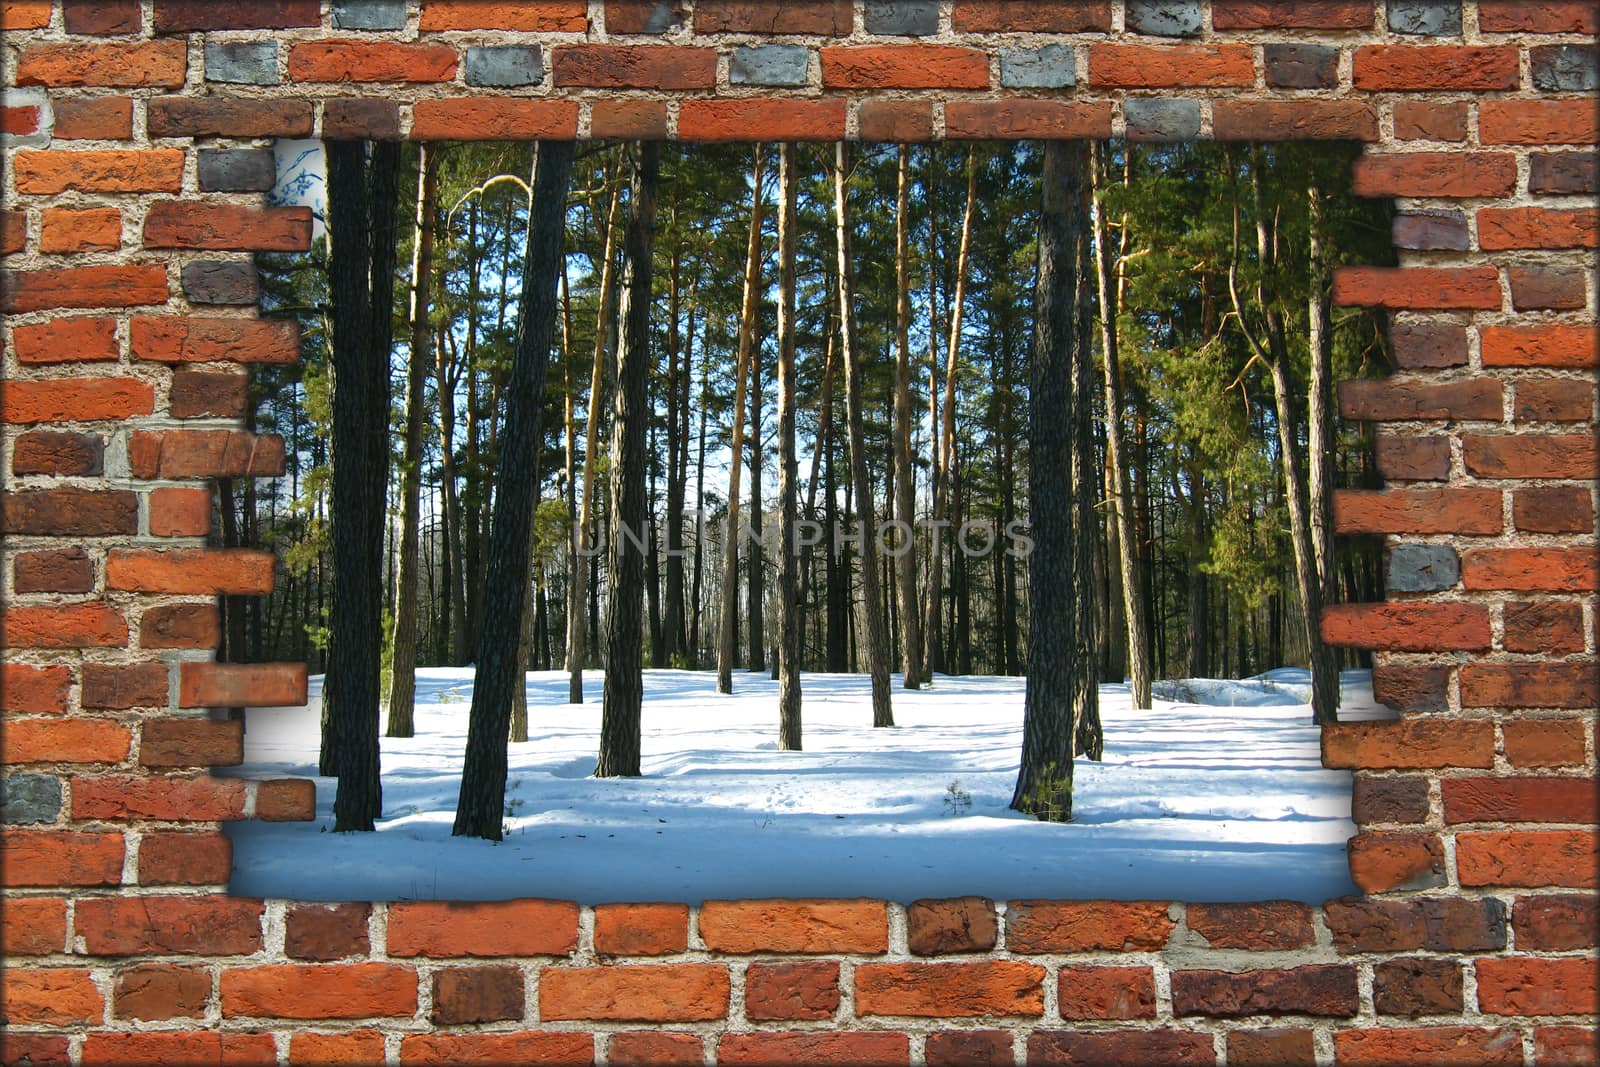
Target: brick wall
131	206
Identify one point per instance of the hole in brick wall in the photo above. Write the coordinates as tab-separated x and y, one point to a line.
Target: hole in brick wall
1216	792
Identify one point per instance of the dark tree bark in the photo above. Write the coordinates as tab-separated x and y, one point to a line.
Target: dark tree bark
481	806
755	574
624	688
905	499
1056	576
362	198
1085	491
789	624
878	653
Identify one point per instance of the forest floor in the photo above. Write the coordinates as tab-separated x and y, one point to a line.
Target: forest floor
1216	794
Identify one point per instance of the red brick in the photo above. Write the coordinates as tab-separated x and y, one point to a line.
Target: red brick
1038	926
1019	16
492	119
89	624
1563	800
13	231
1418	288
990	120
64	570
1555	570
1408	744
1417	986
169	925
1304	14
1536	122
779	1049
110	171
1526	455
353	1047
145	64
1454	174
895	66
237	685
808	990
1121	1048
541	16
154	992
779	926
65	512
172	1046
634	66
1412	459
185	858
1271	1047
102	18
1412	688
191	742
1420	120
25	15
1529	685
1137	66
180	512
1546	289
59	857
50	996
1384	861
641	929
91	230
1319	989
967	1048
521	1047
1107	993
942	927
123	797
1291	120
358	120
463	995
187	116
325	932
1557	922
226	227
186	16
286	800
240	571
830	18
82	287
654	1048
1537	227
33	926
1553	627
1538	16
58	452
1460	511
78	340
371	61
1389	799
201	393
1543	742
1397	400
64	741
1532	858
637	16
1267	927
740	120
107	118
896	120
1375	1047
34	689
1564	1045
625	120
676	992
205	454
1539	346
320	991
1530	986
506	928
1408	627
1389	67
1429	345
950	990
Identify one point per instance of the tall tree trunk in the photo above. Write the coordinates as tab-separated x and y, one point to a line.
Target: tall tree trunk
1085	489
699	507
652	559
728	633
1056	576
1112	284
789	621
905	503
677	448
362	201
819	446
525	636
755	583
624	688
1320	439
878	653
455	608
402	679
481	807
583	547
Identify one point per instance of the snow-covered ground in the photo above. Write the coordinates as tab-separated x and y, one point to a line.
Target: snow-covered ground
1219	797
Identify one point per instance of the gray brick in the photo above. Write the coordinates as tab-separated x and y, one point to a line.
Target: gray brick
1158	119
242	62
904	18
769	64
30	798
1052	67
236	170
505	65
1431	231
369	14
1302	66
213	281
1428	18
1566	68
1164	18
1423	568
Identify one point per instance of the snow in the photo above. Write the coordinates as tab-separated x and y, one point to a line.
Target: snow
1220	796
